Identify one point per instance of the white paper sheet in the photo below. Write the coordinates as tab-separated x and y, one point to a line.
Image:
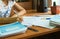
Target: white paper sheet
42	21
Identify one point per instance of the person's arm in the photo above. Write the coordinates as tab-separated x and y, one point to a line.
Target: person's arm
21	10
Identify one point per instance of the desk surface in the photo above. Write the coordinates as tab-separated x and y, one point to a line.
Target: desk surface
29	33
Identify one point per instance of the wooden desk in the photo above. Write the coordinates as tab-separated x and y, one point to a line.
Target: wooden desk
30	34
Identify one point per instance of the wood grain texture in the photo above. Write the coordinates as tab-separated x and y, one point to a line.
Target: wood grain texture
26	5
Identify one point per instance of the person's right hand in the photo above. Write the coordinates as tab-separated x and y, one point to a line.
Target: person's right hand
20	19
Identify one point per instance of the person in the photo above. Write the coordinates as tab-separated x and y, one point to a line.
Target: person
6	7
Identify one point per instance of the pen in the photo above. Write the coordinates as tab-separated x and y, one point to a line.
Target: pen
32	29
16	13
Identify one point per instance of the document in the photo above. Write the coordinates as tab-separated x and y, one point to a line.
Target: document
42	20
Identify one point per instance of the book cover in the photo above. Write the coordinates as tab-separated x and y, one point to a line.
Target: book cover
12	28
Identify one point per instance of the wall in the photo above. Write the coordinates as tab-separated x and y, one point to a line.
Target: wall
57	2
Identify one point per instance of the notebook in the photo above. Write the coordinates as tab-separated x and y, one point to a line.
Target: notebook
42	21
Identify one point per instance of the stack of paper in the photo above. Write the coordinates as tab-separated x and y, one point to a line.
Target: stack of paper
13	28
55	21
42	20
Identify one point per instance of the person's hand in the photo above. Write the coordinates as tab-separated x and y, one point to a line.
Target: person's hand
20	19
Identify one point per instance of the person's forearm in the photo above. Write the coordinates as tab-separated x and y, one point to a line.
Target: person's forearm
22	12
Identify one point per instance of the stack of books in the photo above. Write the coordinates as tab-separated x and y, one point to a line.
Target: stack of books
55	21
11	29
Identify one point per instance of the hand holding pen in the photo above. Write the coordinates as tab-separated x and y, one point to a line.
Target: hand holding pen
26	26
19	18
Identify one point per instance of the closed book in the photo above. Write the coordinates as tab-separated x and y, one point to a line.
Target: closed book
12	29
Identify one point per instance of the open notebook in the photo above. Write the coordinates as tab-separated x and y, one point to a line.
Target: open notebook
12	28
42	20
